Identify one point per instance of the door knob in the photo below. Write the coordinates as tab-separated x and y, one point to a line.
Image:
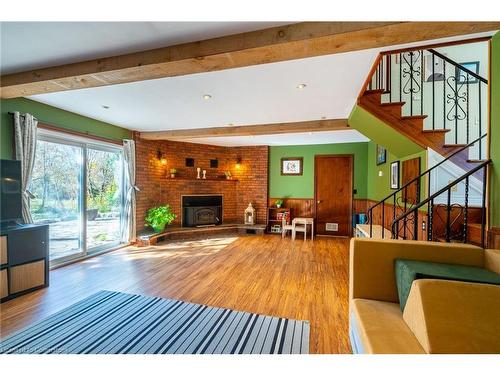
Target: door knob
318	202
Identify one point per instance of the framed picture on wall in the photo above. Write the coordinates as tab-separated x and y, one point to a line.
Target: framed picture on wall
381	155
395	175
463	77
291	166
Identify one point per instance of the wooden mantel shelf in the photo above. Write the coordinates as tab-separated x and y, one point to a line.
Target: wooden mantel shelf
200	179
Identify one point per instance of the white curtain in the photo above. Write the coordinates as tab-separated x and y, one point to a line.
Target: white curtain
129	227
25	145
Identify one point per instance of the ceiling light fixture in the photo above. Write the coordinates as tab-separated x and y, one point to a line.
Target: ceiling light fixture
301	86
207	96
105	106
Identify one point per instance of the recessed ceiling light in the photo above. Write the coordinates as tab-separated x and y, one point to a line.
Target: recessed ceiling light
105	106
301	86
207	96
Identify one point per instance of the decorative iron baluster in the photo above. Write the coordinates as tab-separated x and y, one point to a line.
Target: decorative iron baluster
448	213
430	212
457	98
480	131
389	78
400	80
483	206
466	209
467	117
444	95
415	225
433	95
422	84
413	72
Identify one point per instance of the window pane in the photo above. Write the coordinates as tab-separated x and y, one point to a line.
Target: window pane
104	197
56	184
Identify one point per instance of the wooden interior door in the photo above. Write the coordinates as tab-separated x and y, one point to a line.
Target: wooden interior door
333	189
411	170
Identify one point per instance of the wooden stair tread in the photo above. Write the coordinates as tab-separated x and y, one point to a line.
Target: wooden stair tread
451	146
392	104
435	130
476	160
414	117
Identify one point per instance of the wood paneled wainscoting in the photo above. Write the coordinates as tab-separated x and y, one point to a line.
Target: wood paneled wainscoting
304	207
494	238
300	207
389	211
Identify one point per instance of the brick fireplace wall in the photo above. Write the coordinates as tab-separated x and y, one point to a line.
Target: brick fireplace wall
249	184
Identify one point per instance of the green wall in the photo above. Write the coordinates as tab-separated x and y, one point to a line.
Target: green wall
379	187
495	132
52	116
378	131
303	186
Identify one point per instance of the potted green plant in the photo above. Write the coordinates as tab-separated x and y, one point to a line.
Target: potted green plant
279	203
158	217
173	172
228	175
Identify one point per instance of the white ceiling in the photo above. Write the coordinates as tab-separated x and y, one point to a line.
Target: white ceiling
34	45
261	94
316	138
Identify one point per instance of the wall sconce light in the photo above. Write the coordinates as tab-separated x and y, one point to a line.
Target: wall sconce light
380	173
238	162
161	157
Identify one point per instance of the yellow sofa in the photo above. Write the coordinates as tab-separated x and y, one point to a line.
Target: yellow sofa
376	323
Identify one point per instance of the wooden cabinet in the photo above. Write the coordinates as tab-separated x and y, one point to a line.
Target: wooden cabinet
24	255
27	276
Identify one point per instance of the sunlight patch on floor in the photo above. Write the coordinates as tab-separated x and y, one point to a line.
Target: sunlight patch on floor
189	248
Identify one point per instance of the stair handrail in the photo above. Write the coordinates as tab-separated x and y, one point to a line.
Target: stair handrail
461	67
430	199
393	194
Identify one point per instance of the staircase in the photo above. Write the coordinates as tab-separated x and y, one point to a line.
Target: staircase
440	105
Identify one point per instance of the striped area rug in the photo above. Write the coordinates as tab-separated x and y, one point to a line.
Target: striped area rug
114	322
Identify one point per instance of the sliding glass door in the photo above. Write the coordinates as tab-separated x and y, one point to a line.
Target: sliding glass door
78	188
57	186
104	197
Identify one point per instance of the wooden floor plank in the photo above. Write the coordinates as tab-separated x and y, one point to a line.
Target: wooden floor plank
260	274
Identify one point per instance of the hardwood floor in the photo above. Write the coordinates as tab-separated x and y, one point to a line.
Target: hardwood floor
265	275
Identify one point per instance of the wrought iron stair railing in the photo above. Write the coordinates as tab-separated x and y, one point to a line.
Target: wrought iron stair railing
400	198
447	95
449	102
412	213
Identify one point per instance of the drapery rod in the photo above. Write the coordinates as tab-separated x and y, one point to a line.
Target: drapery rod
44	125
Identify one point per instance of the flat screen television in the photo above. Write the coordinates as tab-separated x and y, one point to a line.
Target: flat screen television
10	191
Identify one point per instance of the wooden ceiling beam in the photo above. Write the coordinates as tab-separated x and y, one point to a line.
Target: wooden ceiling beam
249	130
294	41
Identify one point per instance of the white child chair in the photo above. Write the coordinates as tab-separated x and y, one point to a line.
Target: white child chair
286	227
299	226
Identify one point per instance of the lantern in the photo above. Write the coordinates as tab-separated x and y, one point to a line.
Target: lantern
250	215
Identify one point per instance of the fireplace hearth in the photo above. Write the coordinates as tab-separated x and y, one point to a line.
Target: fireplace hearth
201	210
